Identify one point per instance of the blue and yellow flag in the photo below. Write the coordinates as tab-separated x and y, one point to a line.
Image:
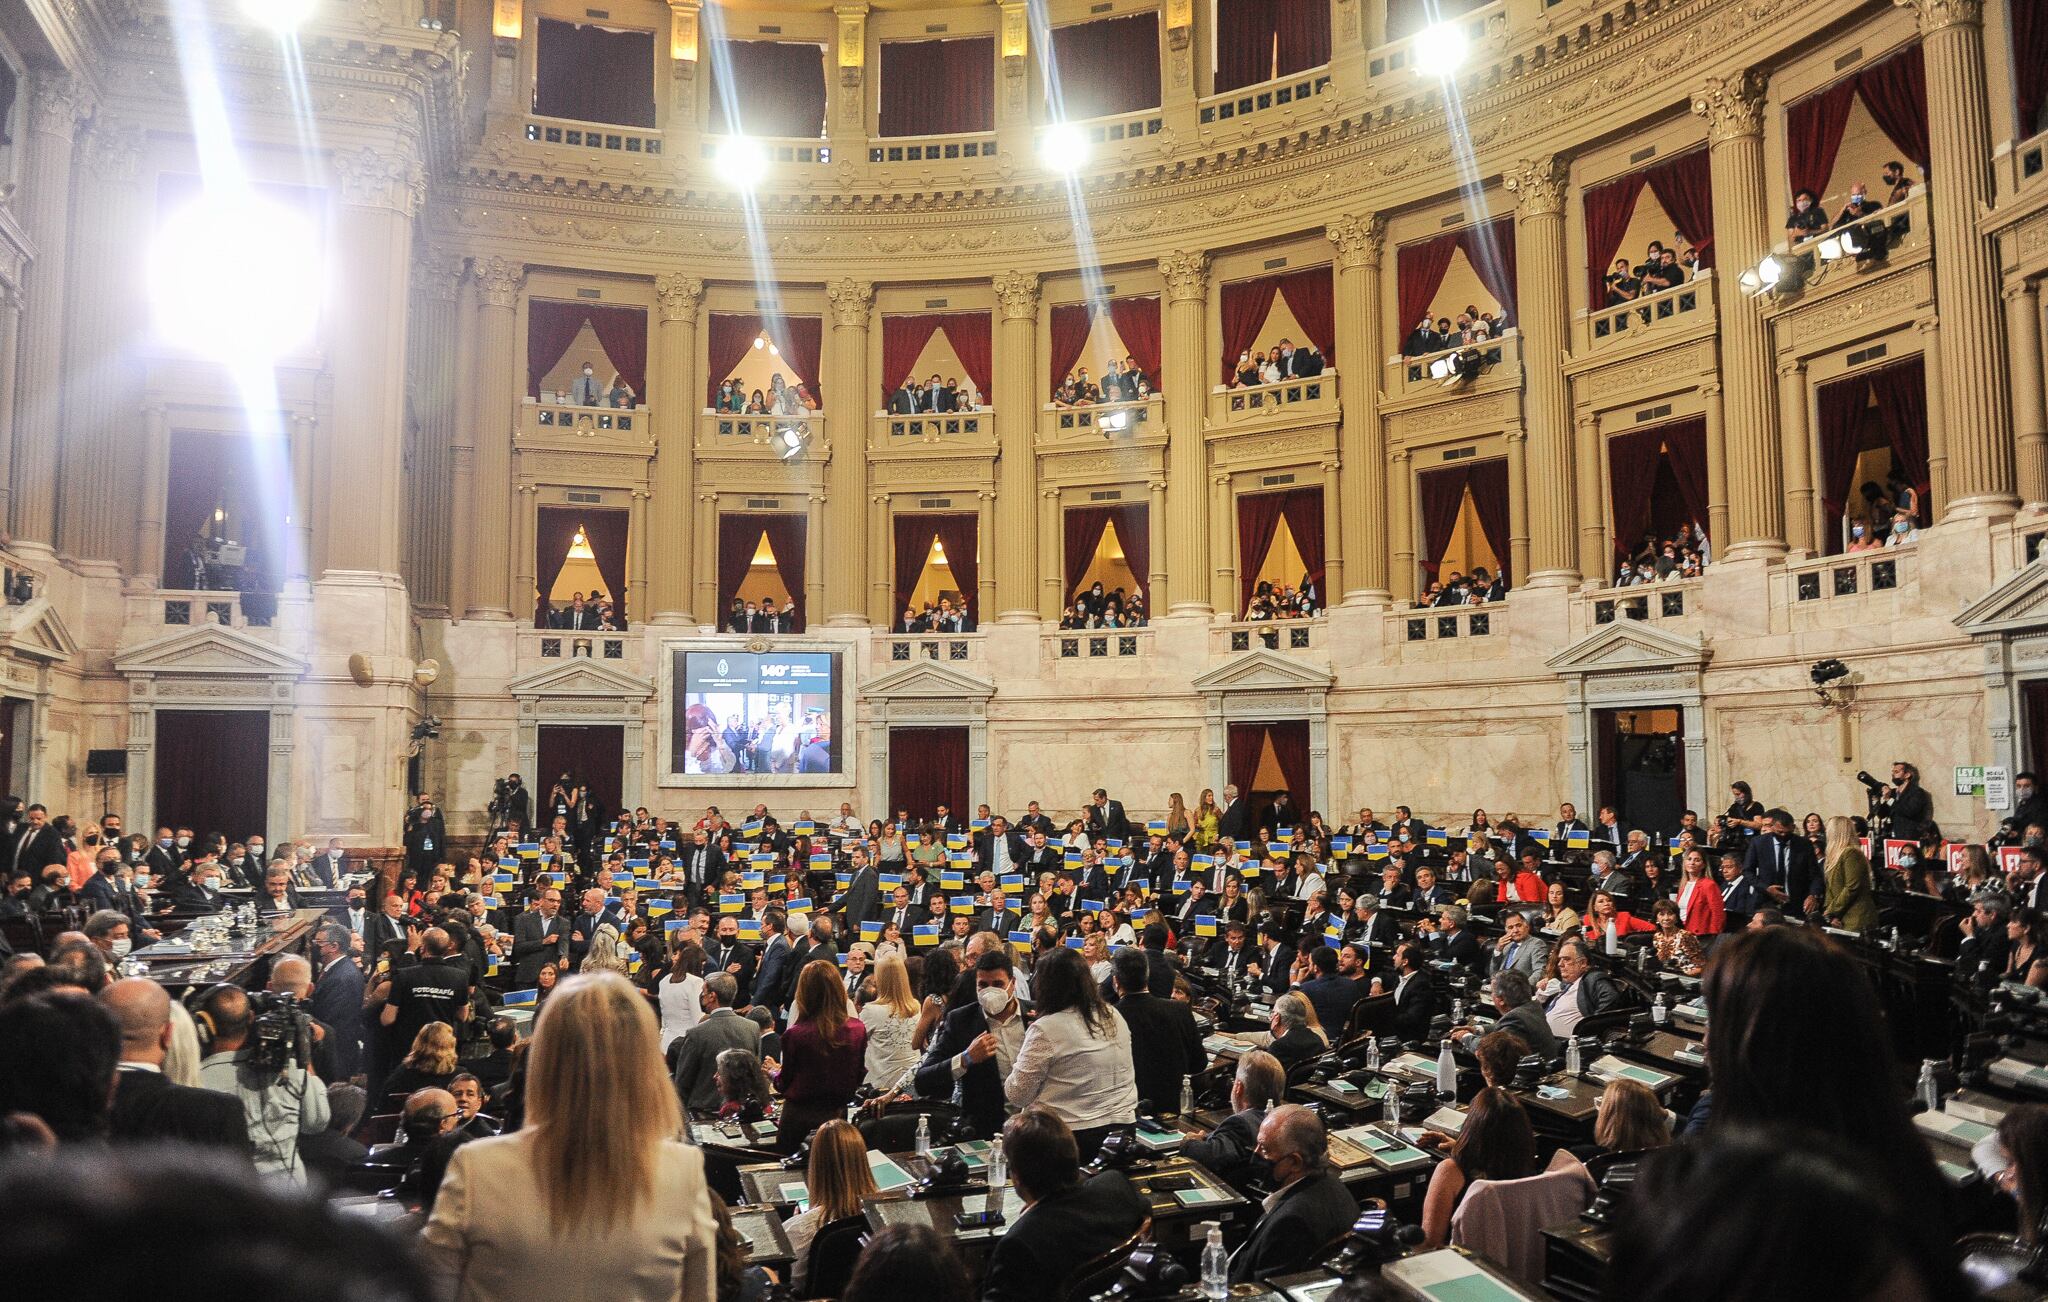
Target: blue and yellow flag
1205	925
804	827
1021	939
520	998
750	929
952	881
1340	847
890	879
1577	838
505	879
1284	833
553	879
1376	851
731	903
960	904
871	931
1011	881
1155	827
527	849
1540	835
801	904
1202	860
912	840
675	924
957	841
1072	856
1074	942
978	825
1091	906
1333	935
925	934
1436	836
660	908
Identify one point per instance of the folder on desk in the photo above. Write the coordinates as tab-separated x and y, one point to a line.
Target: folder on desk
1609	1068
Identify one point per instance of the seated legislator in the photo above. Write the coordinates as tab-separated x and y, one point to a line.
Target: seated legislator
1260	1083
1310	1207
1066	1219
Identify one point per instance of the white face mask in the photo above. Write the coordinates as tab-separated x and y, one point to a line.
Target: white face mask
995	1000
121	948
184	841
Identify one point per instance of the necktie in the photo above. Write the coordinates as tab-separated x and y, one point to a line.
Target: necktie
1511	954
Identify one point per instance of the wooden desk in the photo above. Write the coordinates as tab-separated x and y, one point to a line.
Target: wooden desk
1171	1213
1575	1257
1674	1055
1452	1275
762	1237
768	1184
244	960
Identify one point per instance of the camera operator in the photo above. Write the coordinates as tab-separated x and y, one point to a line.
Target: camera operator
259	1055
511	805
1905	806
426	837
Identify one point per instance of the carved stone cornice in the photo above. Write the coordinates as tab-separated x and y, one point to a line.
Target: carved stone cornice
1016	295
58	103
1933	15
1733	106
1359	240
851	302
498	281
1539	186
1186	276
678	296
439	273
372	178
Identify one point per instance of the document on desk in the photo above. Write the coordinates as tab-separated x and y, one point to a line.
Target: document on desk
1199	1196
2021	1075
1954	1129
1612	1068
888	1175
974	1152
1413	1065
1159	1141
1449	1276
1389	1152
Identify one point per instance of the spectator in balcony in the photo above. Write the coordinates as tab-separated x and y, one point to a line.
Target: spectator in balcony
903	402
578	614
1905	498
620	394
1860	538
769	619
1806	218
730	397
1905	529
1141	388
1664	274
952	620
1113	382
932	397
1422	339
1269	368
583	390
741	618
805	399
1309	361
951	397
1859	206
1897	188
1689	262
757	405
1247	370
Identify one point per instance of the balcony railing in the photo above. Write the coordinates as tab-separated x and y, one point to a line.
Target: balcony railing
1447	623
1316	395
2029	161
935	427
1239	636
1856	574
1086	644
599	136
1295	88
539	646
1123	128
1491	363
1108	420
729	429
1397	58
244	610
1652	316
1657	601
547	419
1888	234
932	149
780	149
954	648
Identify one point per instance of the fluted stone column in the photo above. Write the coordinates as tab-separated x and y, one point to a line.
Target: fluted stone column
1792	426
636	555
380	190
1971	373
497	301
1187	457
1518	502
1717	468
149	504
1155	529
1015	545
1361	442
305	432
1401	525
100	414
462	455
1589	447
57	104
1543	316
678	298
10	352
1937	407
430	495
846	408
984	593
1734	107
2029	412
1333	527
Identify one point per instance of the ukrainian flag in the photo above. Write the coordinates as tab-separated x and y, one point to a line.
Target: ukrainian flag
521	998
1155	827
1091	906
1202	860
956	841
1205	925
890	879
1139	915
753	881
804	828
1577	838
912	840
508	863
1333	936
842	880
676	924
959	858
1377	850
527	849
1179	887
731	903
1010	881
801	904
1675	842
1277	850
1436	836
1114	845
750	929
925	934
505	879
821	859
554	879
490	965
611	843
1021	939
1284	833
978	825
633	964
961	904
751	829
870	931
952	881
637	864
1540	835
660	908
1074	942
1340	847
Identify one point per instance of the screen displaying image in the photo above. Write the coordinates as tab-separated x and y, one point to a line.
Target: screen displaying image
741	713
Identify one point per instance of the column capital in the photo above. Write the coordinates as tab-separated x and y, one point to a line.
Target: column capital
1359	239
1399	456
1789	367
1710	390
58	103
1538	185
1928	324
1016	294
1933	15
372	178
1186	275
851	300
113	150
498	281
2019	289
440	273
679	296
1733	105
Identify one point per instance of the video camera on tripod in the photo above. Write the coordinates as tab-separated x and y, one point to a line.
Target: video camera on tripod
280	1032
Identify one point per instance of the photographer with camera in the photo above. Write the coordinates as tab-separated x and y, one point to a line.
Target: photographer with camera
426	837
511	806
1903	809
259	1049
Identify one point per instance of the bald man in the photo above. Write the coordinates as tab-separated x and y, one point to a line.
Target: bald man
1311	1205
293	975
147	1106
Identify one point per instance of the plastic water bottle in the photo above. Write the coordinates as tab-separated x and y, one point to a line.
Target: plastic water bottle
1446	1070
1574	1061
1391	1107
1215	1264
1372	1053
1929	1088
1457	1010
1659	1013
1613	940
1187	1095
998	1168
924	1134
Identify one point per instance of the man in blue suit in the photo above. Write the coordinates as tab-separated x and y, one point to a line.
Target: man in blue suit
337	998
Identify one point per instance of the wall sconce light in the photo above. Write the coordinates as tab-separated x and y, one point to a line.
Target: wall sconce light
507	22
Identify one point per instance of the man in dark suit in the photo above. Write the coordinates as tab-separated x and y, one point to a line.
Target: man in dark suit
776	969
1783	863
1230	955
726	952
1260	1083
1906	801
38	846
902	912
861	901
1165	1045
1514	998
539	936
1311	1207
1035	820
1415	993
592	912
1234	824
1608	830
329	866
722	1029
1568	821
1065	1218
163	860
970	1056
1330	991
1741	893
200	892
1451	940
426	837
147	1106
703	865
337	999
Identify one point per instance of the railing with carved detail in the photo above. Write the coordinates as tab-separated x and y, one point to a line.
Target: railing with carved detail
1313	397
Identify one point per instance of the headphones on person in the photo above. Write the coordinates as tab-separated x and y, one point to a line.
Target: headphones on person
201	1006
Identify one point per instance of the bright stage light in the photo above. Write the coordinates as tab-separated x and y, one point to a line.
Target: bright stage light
281	16
236	278
1063	147
1439	51
741	161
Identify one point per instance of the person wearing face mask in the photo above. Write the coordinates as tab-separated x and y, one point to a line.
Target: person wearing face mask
1806	217
200	892
106	892
258	860
163	858
109	929
426	837
976	1045
1903	531
83	859
2028	808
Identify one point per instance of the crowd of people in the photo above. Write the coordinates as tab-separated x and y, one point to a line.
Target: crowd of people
1472	327
1682	554
1095	608
1276	601
1283	361
585	391
594	613
1460	589
1663	267
781	398
1032	982
934	395
763	616
1889	514
1809	218
1122	381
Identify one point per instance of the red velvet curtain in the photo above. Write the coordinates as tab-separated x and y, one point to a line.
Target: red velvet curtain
1813	135
1107	67
1070	322
587	73
1491	250
1684	187
1490	497
622	333
1244	42
1901	412
1247	741
970	335
938	88
1608	210
786	538
914	534
1440	495
1302	36
1136	321
739	536
2029	34
1840	408
1685	445
1895	92
1632	461
1290	748
927	768
1258	519
550	328
1419	272
1312	298
903	338
728	337
1245	306
1133	523
778	88
960	534
1303	508
554	529
802	344
1081	532
606	533
212	770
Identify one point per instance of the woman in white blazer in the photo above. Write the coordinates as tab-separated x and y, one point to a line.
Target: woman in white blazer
1076	1058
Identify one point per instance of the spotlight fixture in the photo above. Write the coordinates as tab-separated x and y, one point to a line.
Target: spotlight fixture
1062	147
1834	685
1114	422
236	278
1461	367
741	161
791	439
1778	273
1440	50
1827	671
281	16
1868	242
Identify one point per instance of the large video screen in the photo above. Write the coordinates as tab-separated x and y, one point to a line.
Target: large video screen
738	712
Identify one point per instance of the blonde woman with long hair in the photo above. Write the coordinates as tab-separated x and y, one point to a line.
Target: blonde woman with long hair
891	1018
1851	901
1177	817
837	1182
1208	818
595	1196
429	1064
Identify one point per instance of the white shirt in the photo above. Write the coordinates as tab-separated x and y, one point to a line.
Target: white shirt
680	1011
1085	1080
889	1051
1563	1014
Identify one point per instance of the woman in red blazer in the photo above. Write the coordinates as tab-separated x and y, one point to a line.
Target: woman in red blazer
1600	910
1699	896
